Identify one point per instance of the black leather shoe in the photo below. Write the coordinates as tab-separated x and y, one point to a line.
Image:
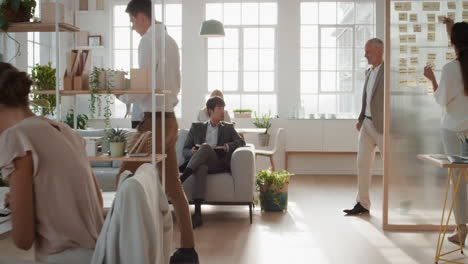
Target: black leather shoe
357	210
184	255
196	220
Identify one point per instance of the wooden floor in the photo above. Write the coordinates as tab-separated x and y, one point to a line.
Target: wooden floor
313	230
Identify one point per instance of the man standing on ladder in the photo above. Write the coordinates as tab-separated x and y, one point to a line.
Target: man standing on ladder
140	16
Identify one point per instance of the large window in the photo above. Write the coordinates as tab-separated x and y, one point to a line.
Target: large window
333	36
125	41
242	64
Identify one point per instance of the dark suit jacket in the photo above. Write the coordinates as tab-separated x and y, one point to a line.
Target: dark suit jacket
377	100
227	135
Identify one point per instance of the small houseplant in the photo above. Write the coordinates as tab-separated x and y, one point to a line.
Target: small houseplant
263	122
81	120
242	113
16	11
273	189
117	140
43	77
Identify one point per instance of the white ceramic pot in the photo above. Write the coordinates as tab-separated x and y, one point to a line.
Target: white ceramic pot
117	149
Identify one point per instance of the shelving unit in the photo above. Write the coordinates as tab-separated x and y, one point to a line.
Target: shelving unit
106	157
90	47
40	27
84	92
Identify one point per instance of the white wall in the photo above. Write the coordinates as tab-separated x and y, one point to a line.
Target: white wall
302	135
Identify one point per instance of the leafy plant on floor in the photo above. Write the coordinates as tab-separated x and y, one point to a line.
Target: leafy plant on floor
81	120
43	77
271	184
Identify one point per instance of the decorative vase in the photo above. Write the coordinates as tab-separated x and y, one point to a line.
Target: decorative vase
117	149
263	140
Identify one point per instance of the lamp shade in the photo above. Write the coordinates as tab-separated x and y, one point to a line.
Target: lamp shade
212	29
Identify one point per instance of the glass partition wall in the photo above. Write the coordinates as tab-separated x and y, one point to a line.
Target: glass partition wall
415	37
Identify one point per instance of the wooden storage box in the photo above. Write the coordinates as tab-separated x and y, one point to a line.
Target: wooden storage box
48	13
140	79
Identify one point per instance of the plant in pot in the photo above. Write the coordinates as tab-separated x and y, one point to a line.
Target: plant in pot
242	113
263	122
16	11
273	189
117	140
81	120
43	77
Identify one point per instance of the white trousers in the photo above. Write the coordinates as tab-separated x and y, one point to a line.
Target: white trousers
369	139
452	147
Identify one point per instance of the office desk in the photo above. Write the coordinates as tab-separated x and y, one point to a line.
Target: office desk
438	160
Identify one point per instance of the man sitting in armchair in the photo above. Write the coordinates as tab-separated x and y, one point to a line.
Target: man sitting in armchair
208	149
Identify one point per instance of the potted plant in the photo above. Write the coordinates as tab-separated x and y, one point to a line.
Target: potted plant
16	11
43	77
81	120
273	189
117	140
263	122
242	113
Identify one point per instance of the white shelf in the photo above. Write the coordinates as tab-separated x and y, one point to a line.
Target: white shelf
90	47
90	12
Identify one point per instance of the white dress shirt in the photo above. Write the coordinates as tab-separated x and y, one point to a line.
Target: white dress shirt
212	135
172	80
369	89
451	96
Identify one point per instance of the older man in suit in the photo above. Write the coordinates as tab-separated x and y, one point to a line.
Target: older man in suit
370	124
208	149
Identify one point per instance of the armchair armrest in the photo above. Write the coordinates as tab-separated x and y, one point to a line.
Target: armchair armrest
243	172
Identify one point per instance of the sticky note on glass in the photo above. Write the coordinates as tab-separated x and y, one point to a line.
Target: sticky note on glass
431	27
403	49
431	56
431	36
422	80
465	4
450	56
402	62
403	28
403	70
414	50
412	70
465	15
403	38
414	60
403	16
402	6
417	28
413	17
431	6
430	17
403	82
411	38
440	19
412	83
451	15
452	5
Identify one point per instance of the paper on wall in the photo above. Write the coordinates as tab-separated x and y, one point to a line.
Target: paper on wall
411	38
465	4
431	27
414	50
452	5
403	49
402	6
403	38
431	6
403	28
414	60
402	62
430	17
417	28
450	56
413	17
403	16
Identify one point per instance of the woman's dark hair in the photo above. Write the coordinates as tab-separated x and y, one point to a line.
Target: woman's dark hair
213	102
14	86
139	6
459	39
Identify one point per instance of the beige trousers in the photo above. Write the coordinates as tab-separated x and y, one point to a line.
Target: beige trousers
174	189
369	139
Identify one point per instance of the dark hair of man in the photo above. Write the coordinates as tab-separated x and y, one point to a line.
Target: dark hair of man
459	39
213	102
139	6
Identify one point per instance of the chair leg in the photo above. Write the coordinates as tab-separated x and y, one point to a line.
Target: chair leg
272	163
250	212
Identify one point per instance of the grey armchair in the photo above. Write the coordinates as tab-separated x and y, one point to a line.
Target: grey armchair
234	188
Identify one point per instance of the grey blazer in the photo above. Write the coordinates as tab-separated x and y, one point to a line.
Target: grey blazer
227	135
377	100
